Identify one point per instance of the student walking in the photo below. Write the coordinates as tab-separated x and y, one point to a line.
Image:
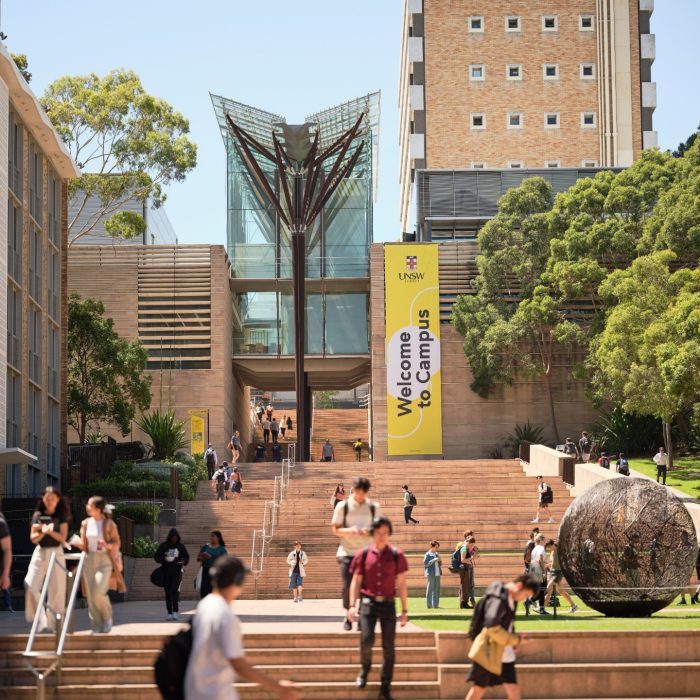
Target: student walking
351	522
432	568
275	429
493	663
172	555
297	562
604	460
622	466
236	483
219	479
473	552
338	496
357	446
538	569
327	453
100	538
217	655
260	453
570	448
210	460
235	446
48	532
259	410
269	411
379	575
283	426
585	447
409	501
545	498
266	423
289	423
5	563
661	461
208	554
464	568
555	578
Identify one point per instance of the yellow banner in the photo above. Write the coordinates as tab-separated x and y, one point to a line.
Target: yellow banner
197	441
414	392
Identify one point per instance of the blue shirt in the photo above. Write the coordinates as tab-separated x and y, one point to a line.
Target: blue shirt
215	552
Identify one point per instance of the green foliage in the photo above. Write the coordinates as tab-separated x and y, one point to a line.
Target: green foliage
113	488
195	473
527	432
140	513
106	380
616	431
125	225
682	147
166	432
22	64
325	399
94	438
128	144
144	547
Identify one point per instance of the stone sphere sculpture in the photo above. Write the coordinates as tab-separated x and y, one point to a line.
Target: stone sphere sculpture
627	547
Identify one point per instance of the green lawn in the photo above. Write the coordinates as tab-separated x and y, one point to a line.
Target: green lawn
449	617
684	477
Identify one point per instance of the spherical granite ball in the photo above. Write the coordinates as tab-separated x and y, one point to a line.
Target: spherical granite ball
627	547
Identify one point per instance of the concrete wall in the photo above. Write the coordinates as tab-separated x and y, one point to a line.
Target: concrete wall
544	461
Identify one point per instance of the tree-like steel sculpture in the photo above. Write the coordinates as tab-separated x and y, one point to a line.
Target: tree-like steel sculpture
305	186
627	547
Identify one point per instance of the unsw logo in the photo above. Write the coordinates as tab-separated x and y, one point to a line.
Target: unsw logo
411	274
411	262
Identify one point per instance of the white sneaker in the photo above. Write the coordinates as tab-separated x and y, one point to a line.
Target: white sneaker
175	617
295	600
551	520
169	616
536	520
108	627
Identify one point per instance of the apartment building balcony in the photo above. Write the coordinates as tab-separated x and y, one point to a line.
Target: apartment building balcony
649	95
648	47
646	5
415	49
416	147
416	98
650	139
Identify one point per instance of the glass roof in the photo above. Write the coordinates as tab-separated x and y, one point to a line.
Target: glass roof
333	122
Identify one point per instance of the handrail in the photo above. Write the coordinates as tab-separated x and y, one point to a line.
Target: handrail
63	624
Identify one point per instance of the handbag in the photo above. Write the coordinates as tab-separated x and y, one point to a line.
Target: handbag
158	577
198	579
486	652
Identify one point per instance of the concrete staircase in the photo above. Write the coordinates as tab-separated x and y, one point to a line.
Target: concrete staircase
554	665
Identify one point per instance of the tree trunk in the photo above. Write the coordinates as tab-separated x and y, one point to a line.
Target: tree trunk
550	401
668	443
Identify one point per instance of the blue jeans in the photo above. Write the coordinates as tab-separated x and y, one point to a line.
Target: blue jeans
7	598
432	591
471	585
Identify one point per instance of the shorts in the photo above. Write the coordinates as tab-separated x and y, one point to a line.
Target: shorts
485	679
295	580
556	575
585	456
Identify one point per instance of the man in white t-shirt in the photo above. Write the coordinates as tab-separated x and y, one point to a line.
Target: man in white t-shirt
661	461
538	568
351	521
217	651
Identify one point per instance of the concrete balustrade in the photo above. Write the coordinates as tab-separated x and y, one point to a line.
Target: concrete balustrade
544	461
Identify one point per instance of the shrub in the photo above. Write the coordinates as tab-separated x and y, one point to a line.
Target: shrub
617	431
188	481
523	433
144	547
187	460
111	488
140	513
167	433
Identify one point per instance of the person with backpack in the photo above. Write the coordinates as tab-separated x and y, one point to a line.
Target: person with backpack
378	576
529	546
473	555
172	555
409	501
327	452
266	423
219	479
259	453
604	460
493	636
570	448
622	466
357	446
208	554
538	569
290	425
210	460
297	562
585	447
351	522
545	499
460	562
216	655
275	430
432	569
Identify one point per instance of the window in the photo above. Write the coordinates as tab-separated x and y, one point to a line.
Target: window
14	242
550	71
36	178
15	153
478	165
551	120
552	164
34	262
52	343
588	120
14	326
477	71
589	163
514	72
549	23
476	24
587	71
478	121
512	24
54	209
515	164
585	23
515	120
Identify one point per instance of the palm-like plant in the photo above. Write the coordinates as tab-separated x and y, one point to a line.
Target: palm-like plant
524	433
166	432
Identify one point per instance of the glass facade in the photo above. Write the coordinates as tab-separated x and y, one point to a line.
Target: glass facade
337	243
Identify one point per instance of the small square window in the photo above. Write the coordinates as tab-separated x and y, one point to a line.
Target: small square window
587	71
515	164
550	71
478	121
551	120
514	72
552	164
512	24
478	165
476	24
589	163
549	23
588	120
585	23
477	71
515	120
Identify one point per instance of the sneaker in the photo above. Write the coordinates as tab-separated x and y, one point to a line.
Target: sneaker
574	608
175	617
682	602
347	625
542	611
536	520
107	628
361	681
301	600
169	616
551	520
295	600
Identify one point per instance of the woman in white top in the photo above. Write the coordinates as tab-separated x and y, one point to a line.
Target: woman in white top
100	537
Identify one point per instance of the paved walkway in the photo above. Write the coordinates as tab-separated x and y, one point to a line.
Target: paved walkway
258	617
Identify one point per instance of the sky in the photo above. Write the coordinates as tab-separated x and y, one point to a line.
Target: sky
291	58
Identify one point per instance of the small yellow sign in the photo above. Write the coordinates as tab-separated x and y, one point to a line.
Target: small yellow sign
197	441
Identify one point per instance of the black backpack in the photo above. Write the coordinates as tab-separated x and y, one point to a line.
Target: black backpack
210	459
456	559
372	509
412	499
221	478
171	665
394	551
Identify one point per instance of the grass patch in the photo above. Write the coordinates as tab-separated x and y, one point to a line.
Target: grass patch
449	617
684	477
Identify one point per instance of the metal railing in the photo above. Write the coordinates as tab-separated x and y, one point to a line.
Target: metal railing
53	657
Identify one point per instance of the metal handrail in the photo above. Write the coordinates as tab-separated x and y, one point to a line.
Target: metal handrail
63	623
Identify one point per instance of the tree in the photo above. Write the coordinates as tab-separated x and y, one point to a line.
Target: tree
106	380
167	433
648	355
128	144
686	145
22	64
